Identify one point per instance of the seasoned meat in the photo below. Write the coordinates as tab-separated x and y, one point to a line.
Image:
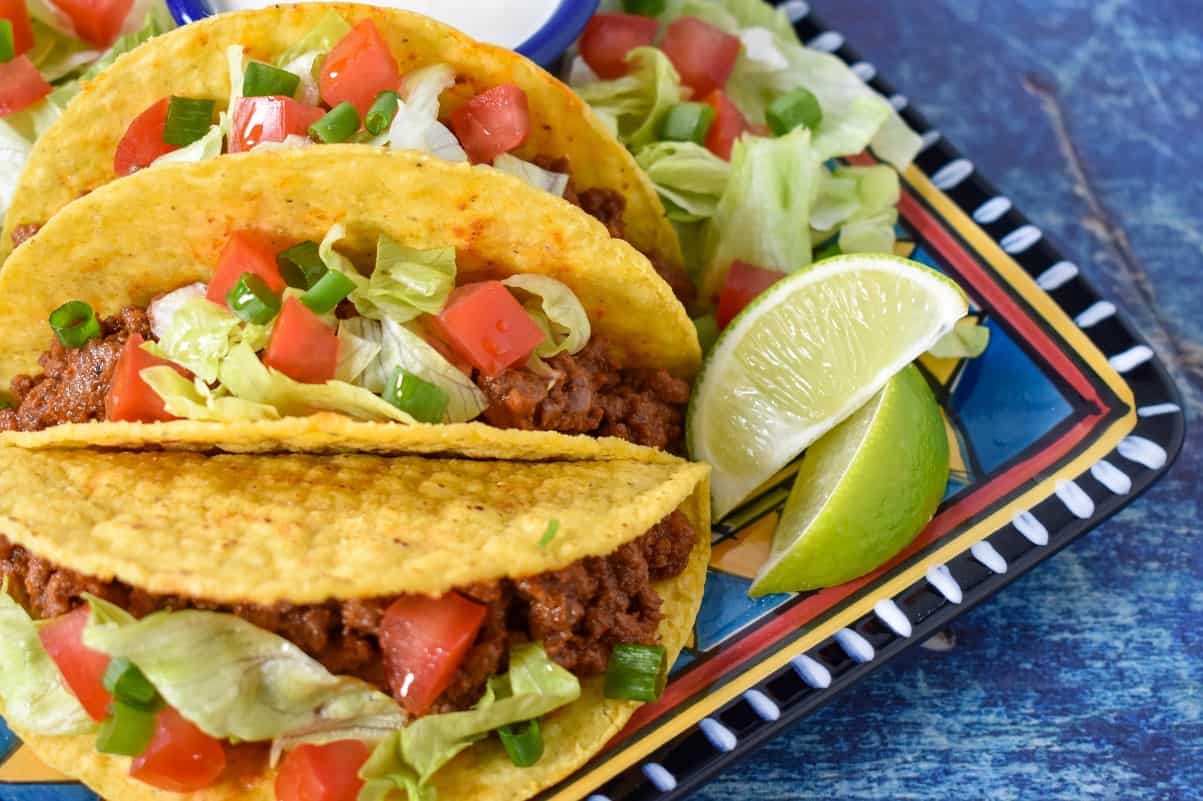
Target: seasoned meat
607	206
74	381
579	613
24	231
590	396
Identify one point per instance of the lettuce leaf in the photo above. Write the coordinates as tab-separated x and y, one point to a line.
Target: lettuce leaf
207	147
563	317
198	336
533	174
193	400
639	100
688	177
406	282
863	203
35	696
417	126
321	38
232	678
534	686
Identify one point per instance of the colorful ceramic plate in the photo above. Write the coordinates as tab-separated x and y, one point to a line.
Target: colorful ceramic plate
1067	417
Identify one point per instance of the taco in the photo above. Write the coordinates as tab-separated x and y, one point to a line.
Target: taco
261	79
339	298
225	625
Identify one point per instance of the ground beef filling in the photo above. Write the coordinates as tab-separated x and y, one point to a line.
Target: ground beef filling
590	396
579	613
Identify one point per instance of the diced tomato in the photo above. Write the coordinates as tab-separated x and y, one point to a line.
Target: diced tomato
487	327
744	282
703	54
302	346
729	124
98	21
82	668
358	68
322	772
180	758
21	85
143	140
424	640
494	122
130	398
609	37
245	252
270	119
15	12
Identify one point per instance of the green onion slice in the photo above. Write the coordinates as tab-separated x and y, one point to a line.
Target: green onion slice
524	746
126	731
422	400
792	109
328	292
636	672
380	115
253	300
7	47
261	80
188	119
127	684
553	528
301	265
74	323
339	124
645	8
687	122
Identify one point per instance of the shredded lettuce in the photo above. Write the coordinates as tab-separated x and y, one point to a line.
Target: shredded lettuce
406	282
533	174
534	686
321	38
688	177
199	336
565	319
194	400
398	346
873	234
35	696
232	678
968	339
862	202
417	126
305	67
356	353
234	66
639	100
207	147
248	378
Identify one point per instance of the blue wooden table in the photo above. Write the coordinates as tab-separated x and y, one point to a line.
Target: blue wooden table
1084	679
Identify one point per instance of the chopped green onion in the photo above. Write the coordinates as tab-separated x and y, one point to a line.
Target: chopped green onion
636	672
523	746
261	80
422	400
74	323
380	115
645	8
127	684
7	48
687	122
328	292
301	265
188	119
339	124
126	731
253	300
553	527
792	109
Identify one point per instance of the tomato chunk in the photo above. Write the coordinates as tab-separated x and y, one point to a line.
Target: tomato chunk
180	758
21	85
129	398
98	21
82	668
729	124
609	37
744	282
302	346
424	640
143	140
322	772
487	327
703	54
494	122
245	252
270	119
15	12
359	67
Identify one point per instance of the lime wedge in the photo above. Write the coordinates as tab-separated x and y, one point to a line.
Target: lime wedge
863	491
804	356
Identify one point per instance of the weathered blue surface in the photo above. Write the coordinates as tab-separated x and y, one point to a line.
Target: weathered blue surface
1083	680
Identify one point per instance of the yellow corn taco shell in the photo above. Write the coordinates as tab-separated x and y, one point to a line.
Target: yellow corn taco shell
307	528
163	228
76	155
